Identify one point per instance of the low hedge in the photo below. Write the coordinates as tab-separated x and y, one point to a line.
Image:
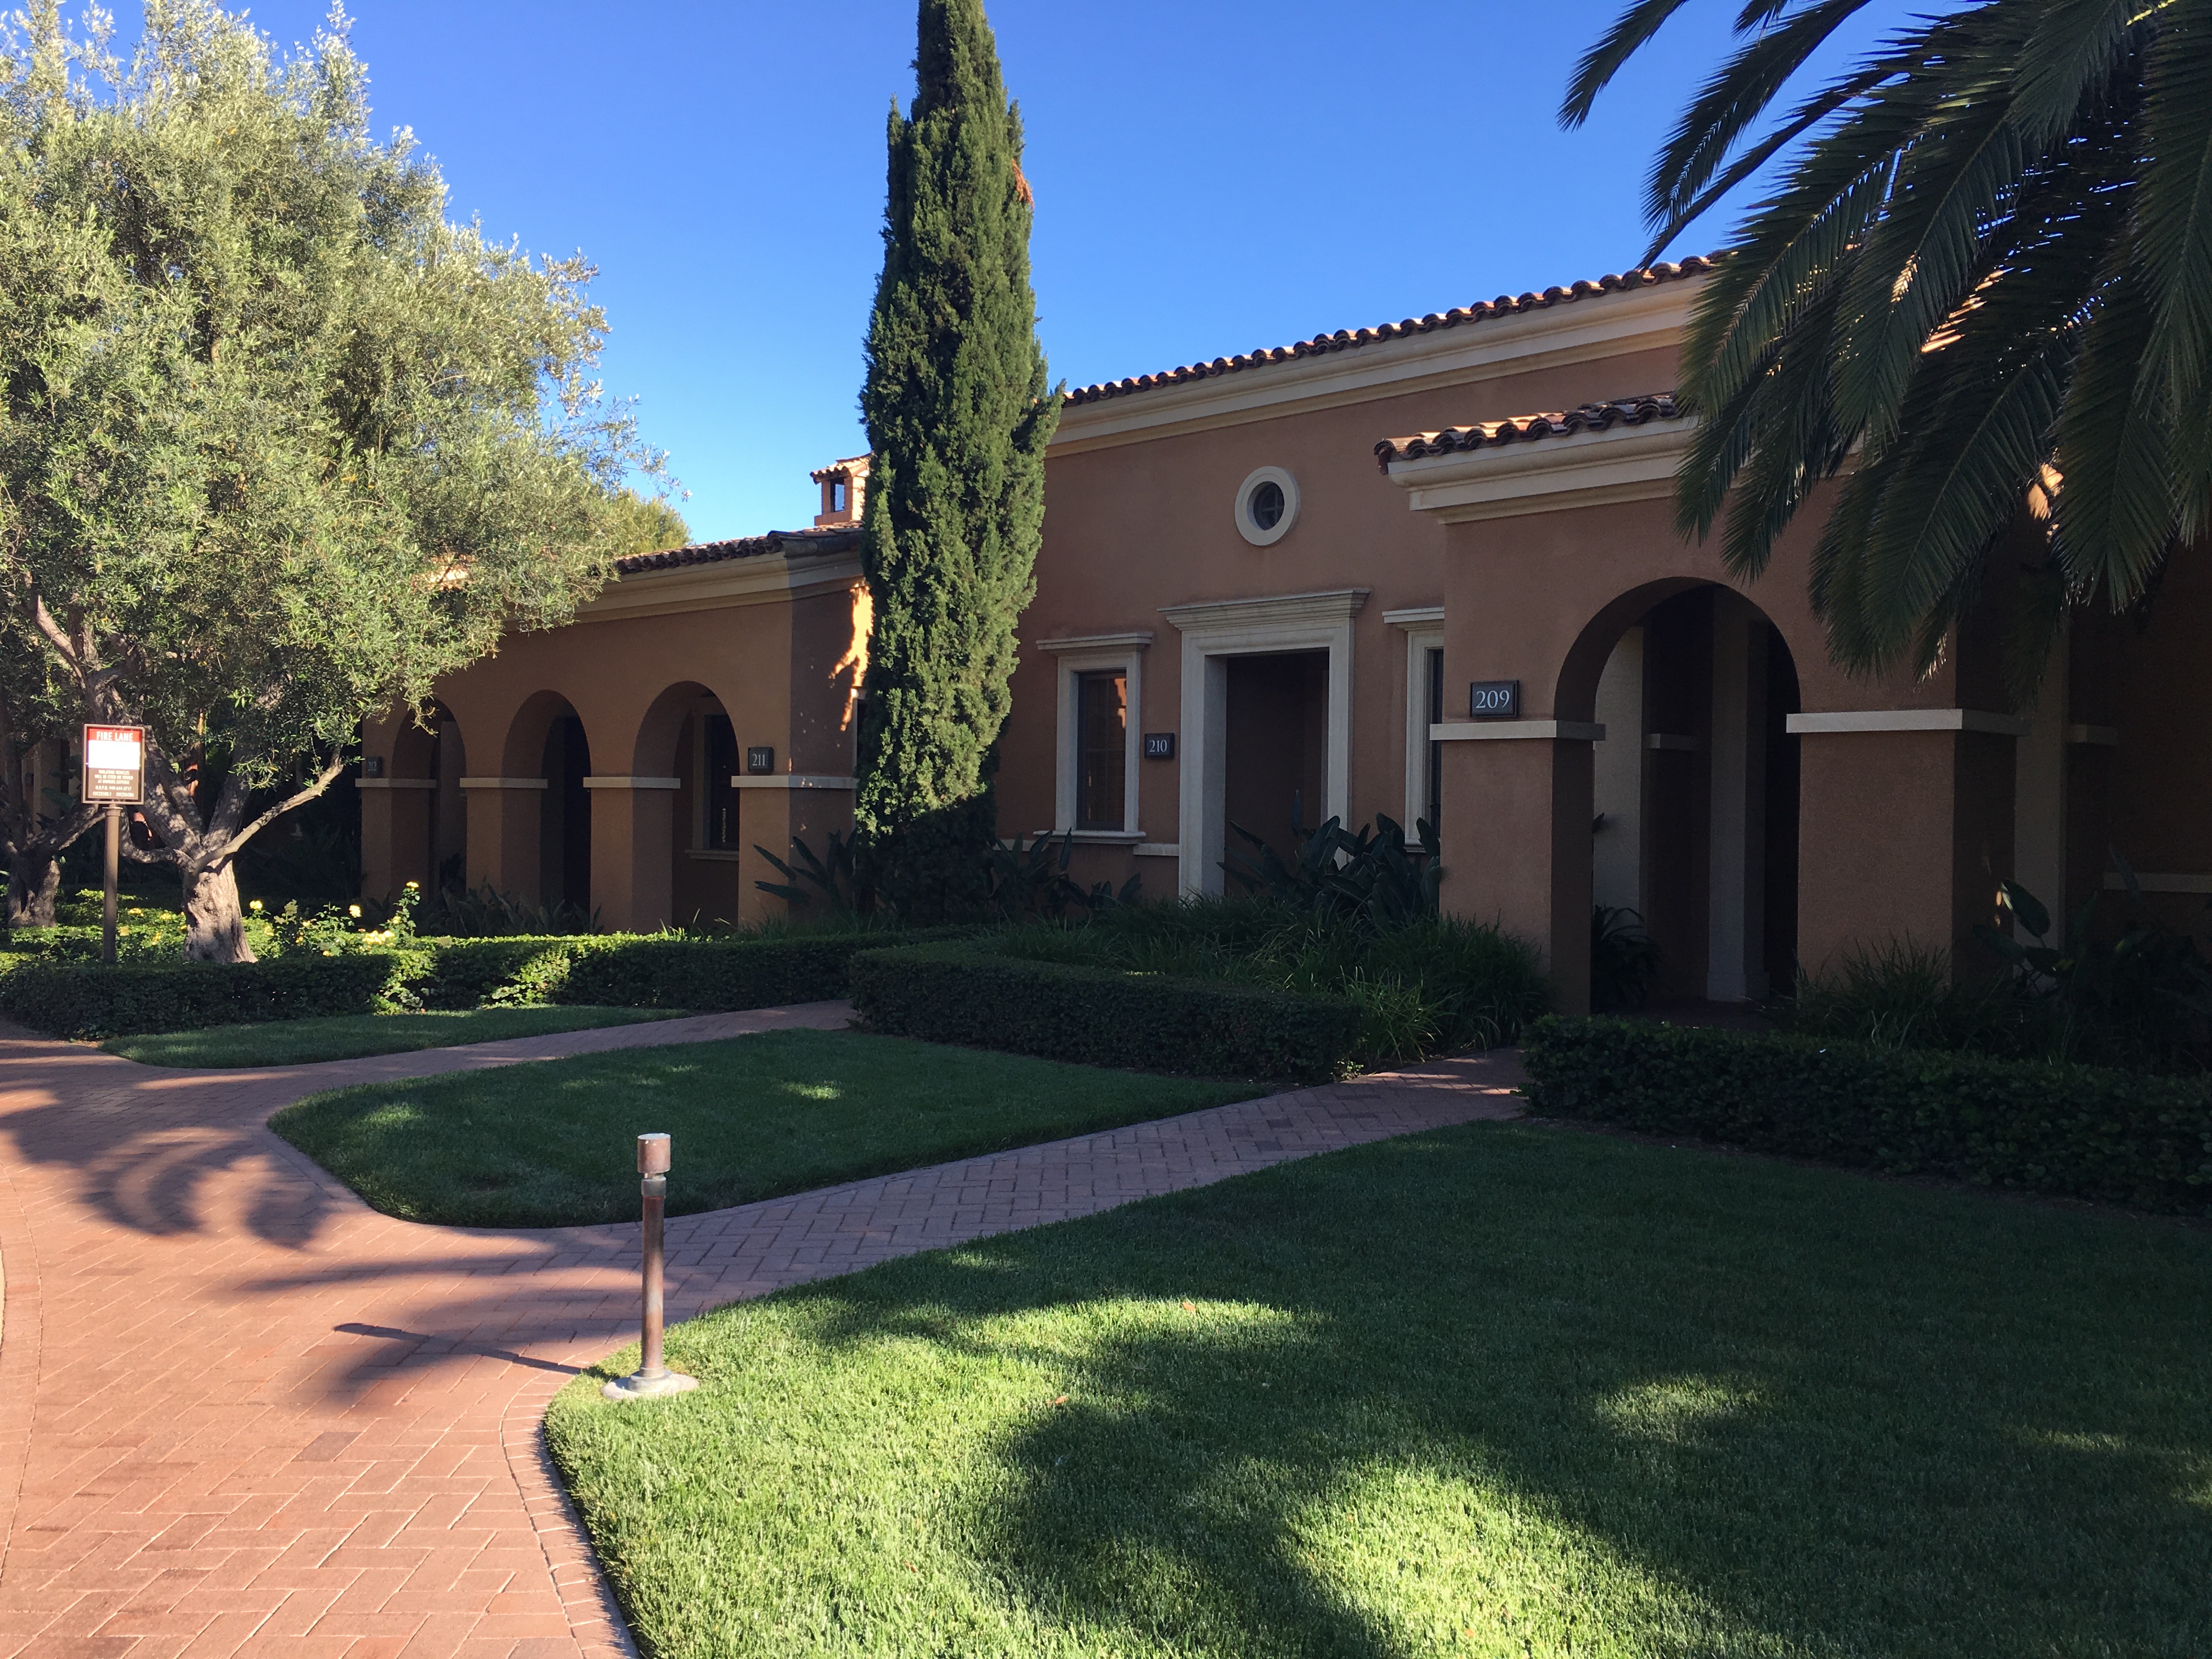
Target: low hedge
86	999
2080	1131
1103	1016
707	975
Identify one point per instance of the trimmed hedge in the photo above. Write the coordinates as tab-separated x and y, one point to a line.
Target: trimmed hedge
2080	1131
706	975
86	999
1103	1016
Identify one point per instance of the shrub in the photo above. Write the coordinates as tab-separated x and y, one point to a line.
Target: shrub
2076	1130
1428	984
469	973
1103	1016
714	974
86	999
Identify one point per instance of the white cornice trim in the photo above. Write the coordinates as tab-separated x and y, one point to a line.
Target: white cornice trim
1337	605
632	783
504	783
1417	616
1468	731
1547	475
770	579
1602	326
1909	719
1138	639
793	781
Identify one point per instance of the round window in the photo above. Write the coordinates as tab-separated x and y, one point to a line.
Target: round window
1267	506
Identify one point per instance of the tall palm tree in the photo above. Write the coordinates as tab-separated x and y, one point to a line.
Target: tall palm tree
1983	279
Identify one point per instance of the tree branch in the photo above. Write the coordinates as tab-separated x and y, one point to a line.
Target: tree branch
324	779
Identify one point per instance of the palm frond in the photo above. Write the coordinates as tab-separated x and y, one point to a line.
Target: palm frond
1630	33
1734	101
2117	513
2175	244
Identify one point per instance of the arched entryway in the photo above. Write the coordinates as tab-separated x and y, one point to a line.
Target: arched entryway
530	824
1694	787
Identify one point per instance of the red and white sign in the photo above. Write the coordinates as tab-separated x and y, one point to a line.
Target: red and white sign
115	764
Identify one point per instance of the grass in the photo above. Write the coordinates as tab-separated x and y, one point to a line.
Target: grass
551	1144
1502	1391
348	1036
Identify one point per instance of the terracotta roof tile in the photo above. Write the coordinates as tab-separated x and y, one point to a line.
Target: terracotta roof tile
1345	339
1524	428
791	543
838	472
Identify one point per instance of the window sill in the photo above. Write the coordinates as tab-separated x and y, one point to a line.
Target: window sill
713	854
1130	837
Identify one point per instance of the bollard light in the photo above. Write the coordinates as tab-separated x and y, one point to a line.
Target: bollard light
652	1378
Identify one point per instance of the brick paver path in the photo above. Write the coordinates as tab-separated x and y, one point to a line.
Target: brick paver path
242	1413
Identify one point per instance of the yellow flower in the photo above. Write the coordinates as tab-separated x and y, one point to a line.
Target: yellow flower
255	907
353	910
414	886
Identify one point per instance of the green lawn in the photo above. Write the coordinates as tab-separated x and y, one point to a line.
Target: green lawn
553	1144
296	1041
1501	1390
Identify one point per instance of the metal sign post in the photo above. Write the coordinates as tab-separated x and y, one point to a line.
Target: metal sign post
652	1378
115	773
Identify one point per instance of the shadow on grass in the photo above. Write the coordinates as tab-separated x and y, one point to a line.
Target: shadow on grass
1548	1393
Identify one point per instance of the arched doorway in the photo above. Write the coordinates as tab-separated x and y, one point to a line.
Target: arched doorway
564	825
1695	789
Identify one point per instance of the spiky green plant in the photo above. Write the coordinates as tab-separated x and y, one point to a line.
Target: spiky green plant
958	416
1986	267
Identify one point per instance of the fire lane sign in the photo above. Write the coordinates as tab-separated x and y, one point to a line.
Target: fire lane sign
115	764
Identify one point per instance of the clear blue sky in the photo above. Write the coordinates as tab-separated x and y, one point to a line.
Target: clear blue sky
1211	177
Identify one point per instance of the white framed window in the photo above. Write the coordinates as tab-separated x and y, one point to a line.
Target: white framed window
1099	746
1267	506
1424	627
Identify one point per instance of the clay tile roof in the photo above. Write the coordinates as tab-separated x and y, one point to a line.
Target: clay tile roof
791	543
1525	429
1345	339
840	470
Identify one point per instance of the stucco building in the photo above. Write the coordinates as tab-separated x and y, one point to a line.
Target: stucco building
1427	569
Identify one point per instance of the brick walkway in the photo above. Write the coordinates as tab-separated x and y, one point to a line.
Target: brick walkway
242	1413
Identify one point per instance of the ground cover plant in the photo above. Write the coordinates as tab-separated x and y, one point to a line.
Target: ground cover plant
550	1144
299	1042
1501	1390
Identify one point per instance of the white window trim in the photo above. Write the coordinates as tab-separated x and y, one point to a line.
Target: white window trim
1102	652
1211	634
1425	632
1247	525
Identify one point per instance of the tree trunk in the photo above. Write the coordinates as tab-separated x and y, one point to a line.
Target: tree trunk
35	882
214	927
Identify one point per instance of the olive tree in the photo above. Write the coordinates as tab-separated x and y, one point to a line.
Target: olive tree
280	441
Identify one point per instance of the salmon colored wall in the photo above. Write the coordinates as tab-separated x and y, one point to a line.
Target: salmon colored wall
632	682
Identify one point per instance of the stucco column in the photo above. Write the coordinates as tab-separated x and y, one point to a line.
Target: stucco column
633	878
1903	835
1517	846
395	834
504	829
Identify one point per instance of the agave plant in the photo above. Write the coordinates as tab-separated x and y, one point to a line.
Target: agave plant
1984	277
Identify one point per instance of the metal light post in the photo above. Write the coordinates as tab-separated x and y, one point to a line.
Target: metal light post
652	1378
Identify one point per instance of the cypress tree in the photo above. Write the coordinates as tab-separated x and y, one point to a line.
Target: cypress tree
958	416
